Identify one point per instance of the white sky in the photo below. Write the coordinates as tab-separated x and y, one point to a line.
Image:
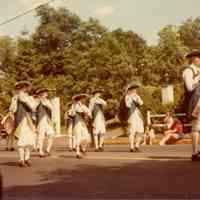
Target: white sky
145	17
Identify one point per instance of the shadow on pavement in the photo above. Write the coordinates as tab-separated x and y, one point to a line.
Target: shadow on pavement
138	180
10	164
68	156
175	158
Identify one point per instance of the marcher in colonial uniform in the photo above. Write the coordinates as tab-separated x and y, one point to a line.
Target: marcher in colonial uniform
44	122
80	130
135	119
96	106
22	106
69	117
191	77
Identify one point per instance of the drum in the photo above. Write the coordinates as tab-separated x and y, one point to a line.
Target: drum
8	123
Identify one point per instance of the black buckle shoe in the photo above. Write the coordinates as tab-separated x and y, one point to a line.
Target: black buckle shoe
41	155
47	153
131	150
12	149
21	164
28	163
137	150
195	157
101	149
78	156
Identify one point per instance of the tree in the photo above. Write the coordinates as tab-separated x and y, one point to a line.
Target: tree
170	55
55	29
71	56
190	33
7	52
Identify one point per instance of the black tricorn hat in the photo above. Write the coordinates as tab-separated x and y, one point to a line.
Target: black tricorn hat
79	97
41	90
22	84
194	53
133	85
97	91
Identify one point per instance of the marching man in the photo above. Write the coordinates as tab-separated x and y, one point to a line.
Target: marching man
135	119
22	106
96	106
44	122
191	77
80	130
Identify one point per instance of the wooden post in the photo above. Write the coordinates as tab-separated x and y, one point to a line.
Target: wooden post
148	117
56	114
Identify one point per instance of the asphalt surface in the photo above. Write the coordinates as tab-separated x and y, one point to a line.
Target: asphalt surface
155	173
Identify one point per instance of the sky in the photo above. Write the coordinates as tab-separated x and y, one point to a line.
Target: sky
145	17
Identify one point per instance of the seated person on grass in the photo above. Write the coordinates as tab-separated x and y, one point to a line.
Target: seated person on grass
175	132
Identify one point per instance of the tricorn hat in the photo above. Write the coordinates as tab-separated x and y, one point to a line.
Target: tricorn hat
194	53
79	97
97	91
22	84
133	85
41	90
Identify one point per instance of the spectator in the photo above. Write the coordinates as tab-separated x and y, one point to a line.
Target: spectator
175	132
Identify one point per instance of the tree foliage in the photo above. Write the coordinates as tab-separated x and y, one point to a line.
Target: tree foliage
70	56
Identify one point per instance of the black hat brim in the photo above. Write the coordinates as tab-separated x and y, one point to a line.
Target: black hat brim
40	91
193	54
22	84
97	91
133	87
79	97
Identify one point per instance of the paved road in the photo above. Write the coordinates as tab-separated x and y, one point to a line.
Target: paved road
157	172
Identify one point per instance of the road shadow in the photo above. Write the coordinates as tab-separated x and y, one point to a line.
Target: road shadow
61	149
112	180
10	164
175	158
68	156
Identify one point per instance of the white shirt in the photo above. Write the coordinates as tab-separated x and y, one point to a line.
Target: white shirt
189	79
96	100
133	97
46	102
81	108
24	97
